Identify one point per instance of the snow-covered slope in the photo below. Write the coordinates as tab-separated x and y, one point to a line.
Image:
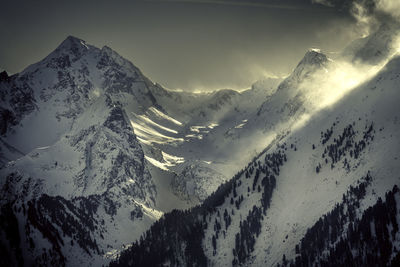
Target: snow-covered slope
85	133
55	91
259	216
192	128
274	116
92	153
67	131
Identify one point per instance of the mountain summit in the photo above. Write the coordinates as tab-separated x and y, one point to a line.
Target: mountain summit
97	164
312	61
71	160
325	193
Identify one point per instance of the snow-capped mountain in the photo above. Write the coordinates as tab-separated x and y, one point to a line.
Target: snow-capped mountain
324	192
75	156
274	116
93	153
85	133
59	88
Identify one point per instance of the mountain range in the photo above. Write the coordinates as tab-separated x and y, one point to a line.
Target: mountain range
99	165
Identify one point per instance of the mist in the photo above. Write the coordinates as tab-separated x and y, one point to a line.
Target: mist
325	87
187	45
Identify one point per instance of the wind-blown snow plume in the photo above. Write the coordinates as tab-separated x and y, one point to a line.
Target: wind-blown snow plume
391	7
368	13
327	86
378	19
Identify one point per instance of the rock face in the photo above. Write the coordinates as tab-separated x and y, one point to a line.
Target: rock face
62	86
196	182
81	180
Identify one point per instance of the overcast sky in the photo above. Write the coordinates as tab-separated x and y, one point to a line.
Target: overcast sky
182	44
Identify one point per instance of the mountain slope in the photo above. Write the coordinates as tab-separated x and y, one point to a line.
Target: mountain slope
70	152
98	169
93	153
79	129
59	88
192	129
265	210
335	239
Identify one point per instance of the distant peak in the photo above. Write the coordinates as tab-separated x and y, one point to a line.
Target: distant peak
72	47
313	57
71	38
72	41
316	50
313	60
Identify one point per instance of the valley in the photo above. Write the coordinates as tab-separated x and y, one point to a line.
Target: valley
100	165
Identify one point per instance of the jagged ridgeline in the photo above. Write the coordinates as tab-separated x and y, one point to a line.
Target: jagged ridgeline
92	154
177	238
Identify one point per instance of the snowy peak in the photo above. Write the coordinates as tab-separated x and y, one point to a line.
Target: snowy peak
71	42
312	61
72	46
288	96
313	57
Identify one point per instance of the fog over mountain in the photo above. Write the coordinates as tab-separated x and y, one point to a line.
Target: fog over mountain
211	44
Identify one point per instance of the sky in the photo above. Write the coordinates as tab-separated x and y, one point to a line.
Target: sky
193	45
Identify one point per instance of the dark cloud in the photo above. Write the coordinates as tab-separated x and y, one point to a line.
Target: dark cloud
381	10
186	44
348	5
